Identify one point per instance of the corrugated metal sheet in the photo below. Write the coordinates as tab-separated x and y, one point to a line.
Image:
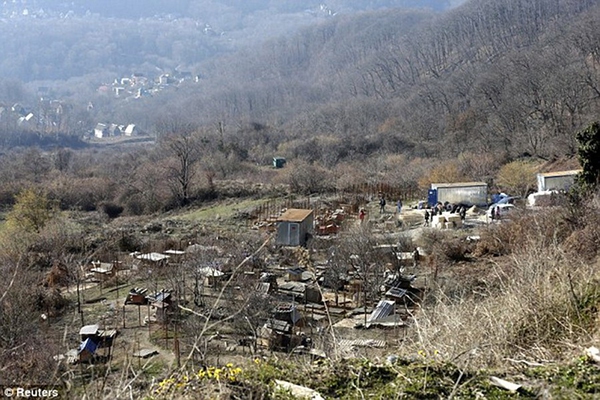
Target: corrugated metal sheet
89	330
294	215
110	333
396	292
384	308
287	312
278	325
292	287
162	296
263	288
155	257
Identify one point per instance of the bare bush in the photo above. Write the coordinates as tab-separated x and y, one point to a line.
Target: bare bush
444	246
584	220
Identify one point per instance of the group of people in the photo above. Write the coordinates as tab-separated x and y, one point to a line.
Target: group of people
382	204
439	208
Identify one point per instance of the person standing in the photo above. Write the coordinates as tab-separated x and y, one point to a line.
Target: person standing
415	257
382	205
427	217
361	215
399	206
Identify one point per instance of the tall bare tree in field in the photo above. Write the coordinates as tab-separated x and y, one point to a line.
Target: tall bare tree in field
182	147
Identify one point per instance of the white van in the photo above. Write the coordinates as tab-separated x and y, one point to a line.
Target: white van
504	210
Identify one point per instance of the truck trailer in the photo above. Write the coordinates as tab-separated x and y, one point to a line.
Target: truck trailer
464	193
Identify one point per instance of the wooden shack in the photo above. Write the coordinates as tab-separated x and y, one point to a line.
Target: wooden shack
288	313
212	275
312	294
89	332
294	274
137	296
103	271
162	303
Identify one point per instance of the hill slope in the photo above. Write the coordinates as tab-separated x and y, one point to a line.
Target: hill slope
515	77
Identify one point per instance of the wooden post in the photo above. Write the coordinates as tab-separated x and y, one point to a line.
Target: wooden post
123	316
177	354
78	296
166	333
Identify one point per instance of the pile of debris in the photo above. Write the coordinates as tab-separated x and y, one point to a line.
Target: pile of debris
330	223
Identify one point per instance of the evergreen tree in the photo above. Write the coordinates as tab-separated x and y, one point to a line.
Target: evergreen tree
588	154
31	212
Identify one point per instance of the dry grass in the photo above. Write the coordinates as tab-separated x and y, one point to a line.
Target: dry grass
537	302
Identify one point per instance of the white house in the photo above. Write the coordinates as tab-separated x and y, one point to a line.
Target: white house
101	130
131	130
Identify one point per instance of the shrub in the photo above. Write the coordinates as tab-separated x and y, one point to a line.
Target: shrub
517	177
455	249
445	245
112	210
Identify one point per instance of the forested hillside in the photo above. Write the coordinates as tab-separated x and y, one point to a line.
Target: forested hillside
55	40
512	77
350	99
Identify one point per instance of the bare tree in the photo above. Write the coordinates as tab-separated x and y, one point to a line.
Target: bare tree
184	153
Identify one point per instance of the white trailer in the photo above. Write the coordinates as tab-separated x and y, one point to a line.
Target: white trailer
560	180
467	193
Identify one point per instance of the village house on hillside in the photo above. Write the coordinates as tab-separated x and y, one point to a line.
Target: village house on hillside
105	130
101	130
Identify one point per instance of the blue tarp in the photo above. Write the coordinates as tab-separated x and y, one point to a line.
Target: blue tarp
89	345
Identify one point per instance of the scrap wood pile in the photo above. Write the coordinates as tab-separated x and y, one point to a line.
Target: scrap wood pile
303	256
330	222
